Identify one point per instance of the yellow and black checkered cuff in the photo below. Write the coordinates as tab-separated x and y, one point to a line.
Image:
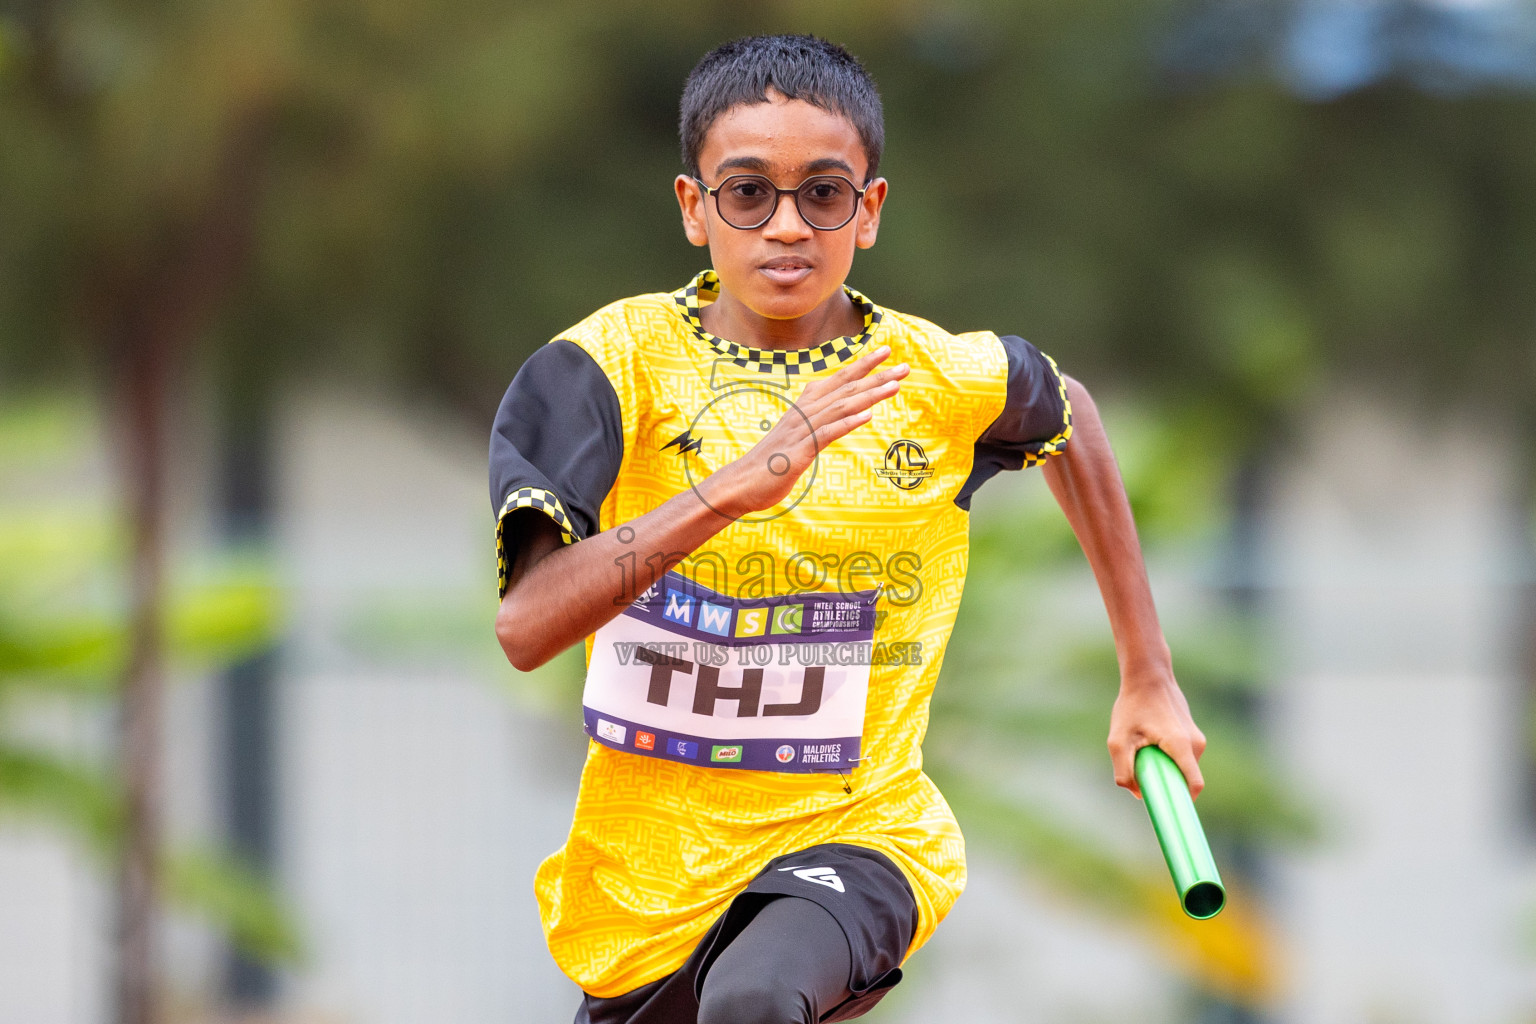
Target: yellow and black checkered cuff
788	361
528	497
1055	445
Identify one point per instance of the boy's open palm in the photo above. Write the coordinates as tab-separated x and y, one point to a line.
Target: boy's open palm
825	411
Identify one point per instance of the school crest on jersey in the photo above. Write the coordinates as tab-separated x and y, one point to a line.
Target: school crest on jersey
906	465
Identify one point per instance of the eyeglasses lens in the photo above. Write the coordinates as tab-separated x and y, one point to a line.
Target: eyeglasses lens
826	201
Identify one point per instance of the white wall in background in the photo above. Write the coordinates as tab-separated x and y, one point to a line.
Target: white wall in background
416	798
1395	569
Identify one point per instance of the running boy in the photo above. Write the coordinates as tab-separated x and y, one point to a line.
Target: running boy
750	498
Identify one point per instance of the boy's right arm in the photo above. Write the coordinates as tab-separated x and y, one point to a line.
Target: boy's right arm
558	594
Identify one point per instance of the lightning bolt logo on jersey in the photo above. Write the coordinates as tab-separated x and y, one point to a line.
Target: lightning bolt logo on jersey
684	444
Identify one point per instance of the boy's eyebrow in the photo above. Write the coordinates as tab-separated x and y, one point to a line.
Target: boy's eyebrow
745	163
758	165
827	163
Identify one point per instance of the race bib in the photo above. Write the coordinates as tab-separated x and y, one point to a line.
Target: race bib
770	684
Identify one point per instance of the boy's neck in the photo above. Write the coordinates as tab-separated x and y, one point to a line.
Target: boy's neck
727	317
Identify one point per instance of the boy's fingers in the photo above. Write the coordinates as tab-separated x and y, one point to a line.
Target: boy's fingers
858	368
834	407
858	401
875	380
830	432
848	381
868	361
887	383
1123	759
1184	757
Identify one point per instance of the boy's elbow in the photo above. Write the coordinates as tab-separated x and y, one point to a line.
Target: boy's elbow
517	640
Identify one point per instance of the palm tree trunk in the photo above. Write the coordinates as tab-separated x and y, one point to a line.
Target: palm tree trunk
144	369
152	308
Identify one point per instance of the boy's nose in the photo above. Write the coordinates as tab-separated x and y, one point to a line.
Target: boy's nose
786	224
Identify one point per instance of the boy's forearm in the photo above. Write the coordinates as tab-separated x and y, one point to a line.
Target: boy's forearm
1086	482
1150	708
558	595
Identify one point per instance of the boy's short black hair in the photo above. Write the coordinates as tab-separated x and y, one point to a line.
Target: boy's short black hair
800	67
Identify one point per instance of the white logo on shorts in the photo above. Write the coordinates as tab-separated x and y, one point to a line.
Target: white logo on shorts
821	876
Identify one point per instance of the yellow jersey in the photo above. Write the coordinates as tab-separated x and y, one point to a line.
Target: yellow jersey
771	692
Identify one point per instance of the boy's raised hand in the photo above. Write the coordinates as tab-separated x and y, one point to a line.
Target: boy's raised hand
825	411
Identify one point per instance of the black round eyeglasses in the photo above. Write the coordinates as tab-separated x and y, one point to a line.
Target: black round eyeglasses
748	201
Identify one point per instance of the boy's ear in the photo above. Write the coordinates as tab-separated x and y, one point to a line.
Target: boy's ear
691	200
869	213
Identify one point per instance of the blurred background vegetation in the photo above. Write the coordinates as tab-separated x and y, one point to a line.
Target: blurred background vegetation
63	644
424	191
1222	214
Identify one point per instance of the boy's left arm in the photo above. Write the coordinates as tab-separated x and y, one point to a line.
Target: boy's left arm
1150	710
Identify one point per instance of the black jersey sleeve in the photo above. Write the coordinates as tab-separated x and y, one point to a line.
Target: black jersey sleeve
555	447
1035	423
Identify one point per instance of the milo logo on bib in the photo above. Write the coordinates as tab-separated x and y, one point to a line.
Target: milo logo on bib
775	684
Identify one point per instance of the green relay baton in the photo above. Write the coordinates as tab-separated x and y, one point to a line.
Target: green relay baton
1166	795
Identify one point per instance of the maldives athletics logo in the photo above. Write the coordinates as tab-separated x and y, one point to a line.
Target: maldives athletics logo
785	754
906	464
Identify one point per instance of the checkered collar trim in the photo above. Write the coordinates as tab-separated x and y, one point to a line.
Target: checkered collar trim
795	360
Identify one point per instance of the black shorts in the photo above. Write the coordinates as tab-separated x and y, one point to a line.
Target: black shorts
860	887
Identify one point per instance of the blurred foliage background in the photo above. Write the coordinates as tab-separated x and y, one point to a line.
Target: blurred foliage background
63	642
1225	213
424	191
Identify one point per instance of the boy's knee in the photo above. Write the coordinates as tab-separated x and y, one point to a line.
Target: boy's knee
735	1000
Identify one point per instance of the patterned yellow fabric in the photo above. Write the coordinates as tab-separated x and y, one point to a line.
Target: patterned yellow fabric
658	849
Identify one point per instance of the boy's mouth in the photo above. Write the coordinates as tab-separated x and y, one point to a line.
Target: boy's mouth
787	269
